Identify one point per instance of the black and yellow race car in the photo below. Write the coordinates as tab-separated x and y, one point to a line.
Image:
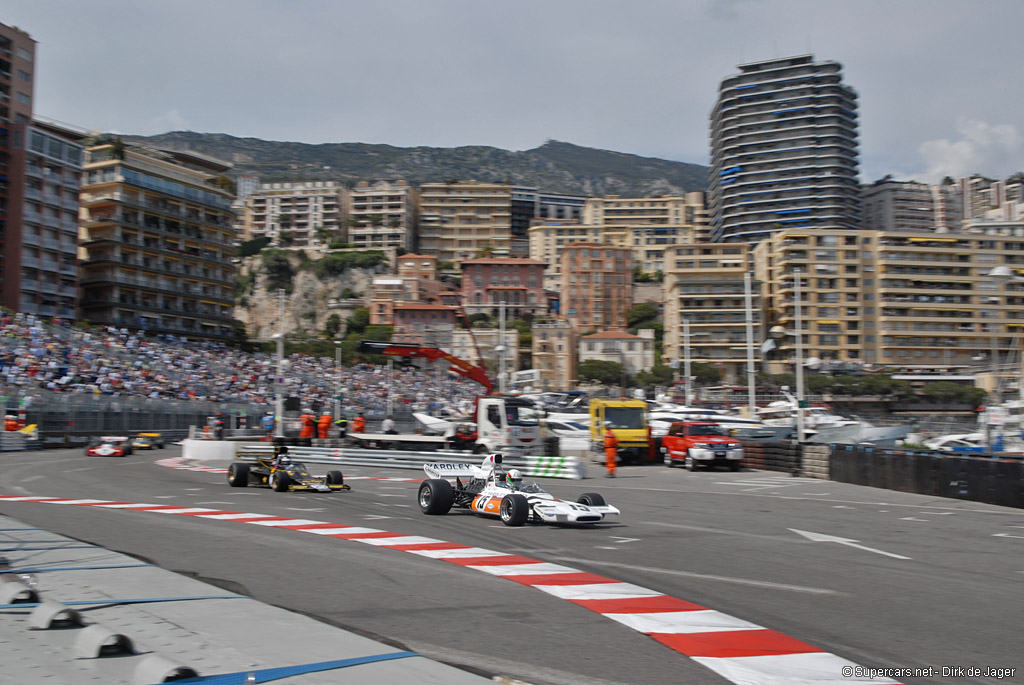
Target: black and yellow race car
281	474
148	441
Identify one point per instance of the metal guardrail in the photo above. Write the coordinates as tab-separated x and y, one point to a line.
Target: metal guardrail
538	467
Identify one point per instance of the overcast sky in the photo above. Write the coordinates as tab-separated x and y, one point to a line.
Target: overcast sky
938	80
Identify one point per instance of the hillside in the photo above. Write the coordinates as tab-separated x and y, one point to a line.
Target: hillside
553	167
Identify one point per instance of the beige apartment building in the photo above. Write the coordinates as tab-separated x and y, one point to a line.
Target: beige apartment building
459	219
554	354
661	210
156	241
634	352
382	214
597	286
835	268
300	213
646	243
704	285
904	299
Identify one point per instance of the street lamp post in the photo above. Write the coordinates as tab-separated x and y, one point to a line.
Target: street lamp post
778	332
337	374
751	375
998	275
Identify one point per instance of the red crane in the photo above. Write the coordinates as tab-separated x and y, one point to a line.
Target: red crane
409	350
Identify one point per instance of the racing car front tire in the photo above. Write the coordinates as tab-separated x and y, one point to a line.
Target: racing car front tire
335	478
515	510
436	496
591	499
280	481
238	475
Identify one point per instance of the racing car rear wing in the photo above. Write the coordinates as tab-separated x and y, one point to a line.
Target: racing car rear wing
449	470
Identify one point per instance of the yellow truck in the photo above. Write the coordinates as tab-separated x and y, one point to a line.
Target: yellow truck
629	421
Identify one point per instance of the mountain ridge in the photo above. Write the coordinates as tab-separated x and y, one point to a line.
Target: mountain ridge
556	166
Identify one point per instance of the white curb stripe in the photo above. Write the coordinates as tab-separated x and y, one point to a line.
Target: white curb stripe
535	569
399	540
708	621
286	522
598	591
462	553
816	668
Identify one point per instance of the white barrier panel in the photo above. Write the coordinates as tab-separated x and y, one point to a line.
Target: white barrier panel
546	467
208	449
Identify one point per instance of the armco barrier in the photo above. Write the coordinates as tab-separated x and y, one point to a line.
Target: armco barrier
538	467
974	478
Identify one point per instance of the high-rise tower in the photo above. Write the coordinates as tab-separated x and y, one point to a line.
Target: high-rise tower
783	150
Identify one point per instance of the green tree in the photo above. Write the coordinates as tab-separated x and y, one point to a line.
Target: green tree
278	269
358	322
640	313
332	325
254	246
484	251
705	374
658	375
602	371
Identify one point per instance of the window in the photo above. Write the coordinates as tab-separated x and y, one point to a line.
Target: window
24	76
23	98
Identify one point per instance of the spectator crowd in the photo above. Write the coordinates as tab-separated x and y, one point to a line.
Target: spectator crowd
37	358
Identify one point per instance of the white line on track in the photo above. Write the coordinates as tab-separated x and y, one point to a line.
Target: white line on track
703	576
84	468
722	531
31	478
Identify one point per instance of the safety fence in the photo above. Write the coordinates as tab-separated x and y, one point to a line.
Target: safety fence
991	479
538	467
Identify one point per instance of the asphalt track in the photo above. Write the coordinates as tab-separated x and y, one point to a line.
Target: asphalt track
918	582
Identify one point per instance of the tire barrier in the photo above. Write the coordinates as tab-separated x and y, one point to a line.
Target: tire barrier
974	478
815	461
538	467
772	455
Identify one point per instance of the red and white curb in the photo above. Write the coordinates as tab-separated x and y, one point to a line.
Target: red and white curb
743	652
180	464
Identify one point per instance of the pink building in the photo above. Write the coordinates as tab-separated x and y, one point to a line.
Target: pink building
519	283
424	324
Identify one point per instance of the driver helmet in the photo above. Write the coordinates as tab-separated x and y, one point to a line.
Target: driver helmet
514	479
285	460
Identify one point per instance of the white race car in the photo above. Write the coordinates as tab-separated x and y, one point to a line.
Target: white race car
486	492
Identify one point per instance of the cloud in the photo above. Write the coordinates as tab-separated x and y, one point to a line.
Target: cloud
171	120
990	149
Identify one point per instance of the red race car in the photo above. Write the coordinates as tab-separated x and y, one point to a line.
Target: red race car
110	446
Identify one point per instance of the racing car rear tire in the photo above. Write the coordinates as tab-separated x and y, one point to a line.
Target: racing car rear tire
436	496
280	481
591	499
238	475
515	510
335	478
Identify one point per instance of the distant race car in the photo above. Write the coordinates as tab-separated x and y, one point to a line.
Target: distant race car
110	446
486	493
291	477
148	441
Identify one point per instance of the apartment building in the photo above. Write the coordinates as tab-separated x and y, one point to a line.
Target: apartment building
298	213
382	214
518	283
783	150
156	241
705	287
430	325
597	286
554	354
833	270
559	206
646	243
933	301
901	205
41	236
461	218
17	90
660	210
634	352
415	282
